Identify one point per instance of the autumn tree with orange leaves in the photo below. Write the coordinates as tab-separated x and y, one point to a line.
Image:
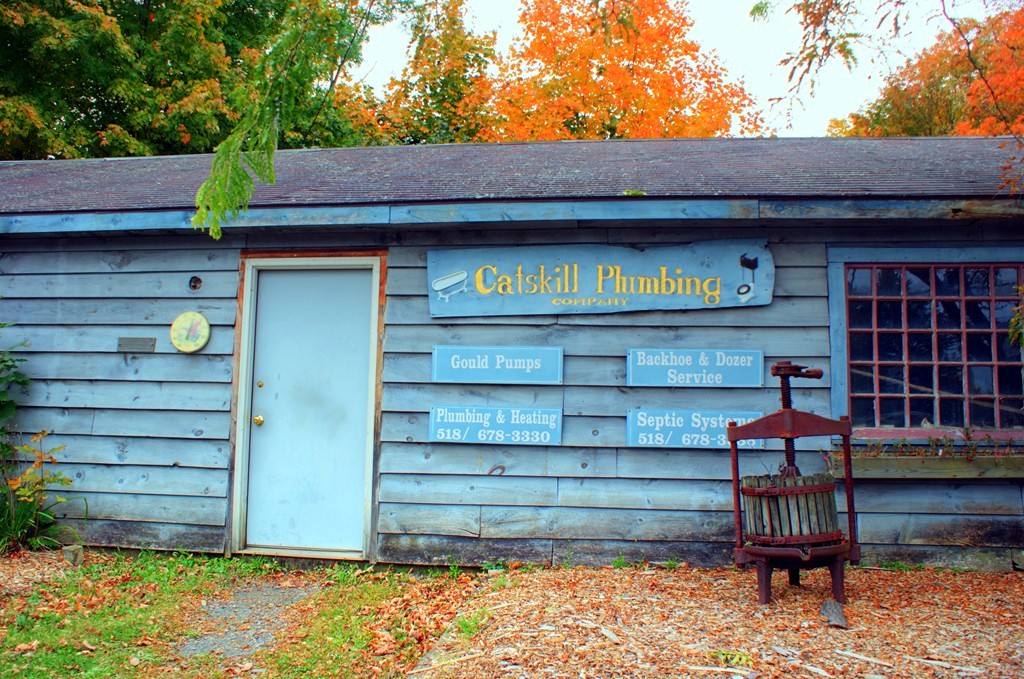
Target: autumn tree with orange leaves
607	69
946	91
995	102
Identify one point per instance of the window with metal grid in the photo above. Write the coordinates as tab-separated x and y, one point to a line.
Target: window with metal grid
928	347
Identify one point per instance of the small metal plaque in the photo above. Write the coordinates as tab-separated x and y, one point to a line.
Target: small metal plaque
655	428
501	425
136	345
497	365
694	368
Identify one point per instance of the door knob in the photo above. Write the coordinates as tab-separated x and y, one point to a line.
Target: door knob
258	420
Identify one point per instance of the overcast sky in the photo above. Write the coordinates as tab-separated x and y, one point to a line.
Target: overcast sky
749	51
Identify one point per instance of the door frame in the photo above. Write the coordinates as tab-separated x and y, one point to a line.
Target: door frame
251	265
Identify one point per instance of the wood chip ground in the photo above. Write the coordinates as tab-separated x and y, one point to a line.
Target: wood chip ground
686	622
20	571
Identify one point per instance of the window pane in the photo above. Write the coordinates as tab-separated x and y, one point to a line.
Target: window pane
951	412
893	412
950	347
1006	282
979	347
979	380
889	282
1010	381
862	347
1004	312
919	314
922	379
979	315
862	412
922	412
860	314
983	413
951	379
890	314
1008	351
1011	412
947	281
858	282
862	379
890	379
919	282
976	283
947	313
929	345
919	346
890	346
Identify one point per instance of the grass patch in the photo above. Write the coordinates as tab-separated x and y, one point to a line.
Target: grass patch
124	616
469	625
111	617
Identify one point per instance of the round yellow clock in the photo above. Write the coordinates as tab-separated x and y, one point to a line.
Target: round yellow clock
190	332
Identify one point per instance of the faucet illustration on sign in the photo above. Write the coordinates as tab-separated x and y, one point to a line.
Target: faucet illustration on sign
746	290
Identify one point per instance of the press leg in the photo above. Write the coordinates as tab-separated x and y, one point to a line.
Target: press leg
836	568
794	577
764	582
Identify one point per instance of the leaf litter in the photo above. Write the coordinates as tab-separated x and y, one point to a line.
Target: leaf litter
690	622
632	622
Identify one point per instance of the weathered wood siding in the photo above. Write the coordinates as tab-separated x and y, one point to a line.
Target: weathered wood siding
592	498
146	434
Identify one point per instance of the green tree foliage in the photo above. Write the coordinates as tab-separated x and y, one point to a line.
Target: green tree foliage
94	78
318	40
441	95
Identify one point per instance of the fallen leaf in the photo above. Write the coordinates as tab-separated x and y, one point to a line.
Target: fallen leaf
26	648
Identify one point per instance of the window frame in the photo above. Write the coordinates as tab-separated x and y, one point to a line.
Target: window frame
838	257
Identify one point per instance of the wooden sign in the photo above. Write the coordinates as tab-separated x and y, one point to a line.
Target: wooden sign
694	368
648	428
589	279
497	365
510	426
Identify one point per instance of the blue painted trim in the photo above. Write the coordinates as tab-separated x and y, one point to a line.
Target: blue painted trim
869	255
99	222
629	209
837	338
839	256
858	208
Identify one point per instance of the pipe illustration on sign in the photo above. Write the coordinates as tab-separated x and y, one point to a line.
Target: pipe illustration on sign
537	280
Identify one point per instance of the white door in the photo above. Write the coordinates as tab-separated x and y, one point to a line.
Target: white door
307	406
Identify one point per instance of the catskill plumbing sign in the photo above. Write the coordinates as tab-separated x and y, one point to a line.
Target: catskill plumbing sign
588	279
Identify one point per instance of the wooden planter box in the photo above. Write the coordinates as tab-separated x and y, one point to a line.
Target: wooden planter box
933	467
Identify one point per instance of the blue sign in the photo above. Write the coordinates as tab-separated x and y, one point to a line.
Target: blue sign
694	368
588	279
685	428
508	426
497	365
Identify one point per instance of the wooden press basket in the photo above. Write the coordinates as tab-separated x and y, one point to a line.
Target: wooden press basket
790	511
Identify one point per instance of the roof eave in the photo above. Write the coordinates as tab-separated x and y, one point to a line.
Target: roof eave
632	209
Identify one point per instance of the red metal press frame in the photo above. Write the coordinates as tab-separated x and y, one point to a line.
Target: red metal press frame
789	424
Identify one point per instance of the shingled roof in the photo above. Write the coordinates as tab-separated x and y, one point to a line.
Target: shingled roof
781	168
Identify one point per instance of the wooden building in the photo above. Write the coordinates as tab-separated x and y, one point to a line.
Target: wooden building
525	352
